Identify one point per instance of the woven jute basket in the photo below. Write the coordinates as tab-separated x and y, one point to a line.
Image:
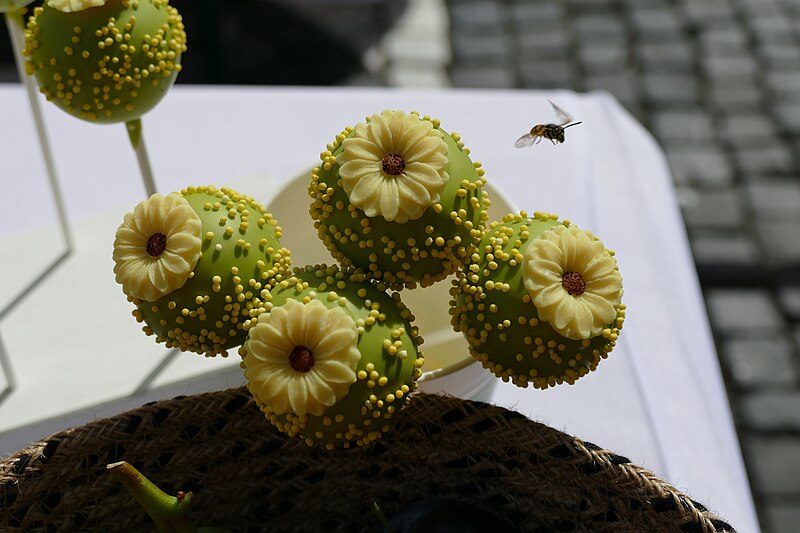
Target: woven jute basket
249	477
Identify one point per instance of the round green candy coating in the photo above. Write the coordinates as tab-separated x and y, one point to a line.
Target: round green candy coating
107	64
415	252
241	255
386	372
494	310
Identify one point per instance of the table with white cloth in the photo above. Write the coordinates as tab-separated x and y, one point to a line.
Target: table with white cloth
77	354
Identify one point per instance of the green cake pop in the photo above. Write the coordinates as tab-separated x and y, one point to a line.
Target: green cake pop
540	301
195	264
331	356
399	198
105	61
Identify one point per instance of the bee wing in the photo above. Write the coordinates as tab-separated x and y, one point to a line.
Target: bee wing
525	140
562	117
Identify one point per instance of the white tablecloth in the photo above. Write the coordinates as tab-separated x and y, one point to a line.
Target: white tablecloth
658	399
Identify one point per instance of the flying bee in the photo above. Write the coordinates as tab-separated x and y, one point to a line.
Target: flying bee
553	132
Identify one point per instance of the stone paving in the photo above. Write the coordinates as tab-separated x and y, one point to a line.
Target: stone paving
717	82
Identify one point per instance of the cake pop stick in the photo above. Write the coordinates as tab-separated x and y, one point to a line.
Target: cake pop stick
107	61
16	25
13	11
134	128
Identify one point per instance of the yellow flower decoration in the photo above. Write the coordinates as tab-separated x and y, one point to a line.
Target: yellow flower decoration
70	6
394	166
573	281
157	247
301	358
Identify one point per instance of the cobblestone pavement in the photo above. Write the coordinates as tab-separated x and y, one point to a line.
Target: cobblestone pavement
718	84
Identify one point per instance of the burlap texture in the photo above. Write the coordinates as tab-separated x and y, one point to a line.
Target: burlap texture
249	477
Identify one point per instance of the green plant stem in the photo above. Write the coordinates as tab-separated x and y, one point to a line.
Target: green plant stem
170	513
376	510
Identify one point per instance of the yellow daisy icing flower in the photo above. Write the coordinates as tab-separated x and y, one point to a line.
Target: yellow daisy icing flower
394	166
157	247
12	5
71	6
573	281
301	358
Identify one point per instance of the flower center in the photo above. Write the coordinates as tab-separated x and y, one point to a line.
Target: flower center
301	359
393	164
573	283
156	244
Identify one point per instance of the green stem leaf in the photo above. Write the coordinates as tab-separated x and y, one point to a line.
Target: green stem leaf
170	513
376	510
